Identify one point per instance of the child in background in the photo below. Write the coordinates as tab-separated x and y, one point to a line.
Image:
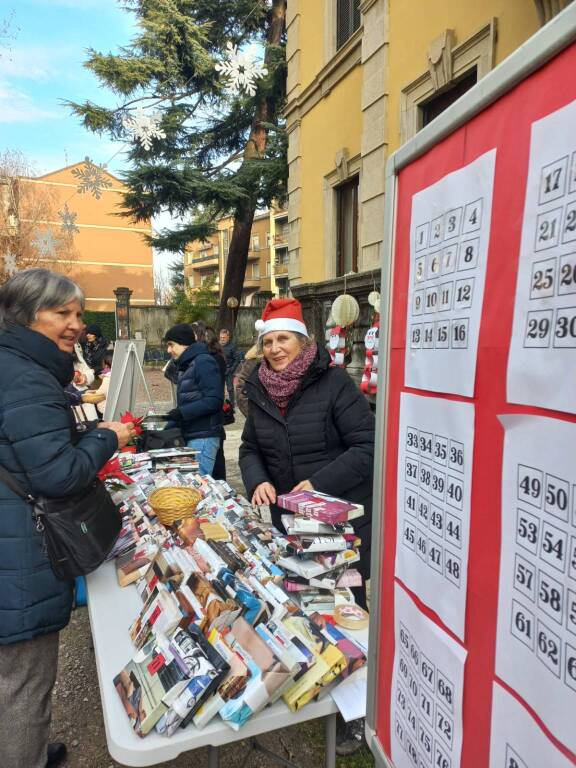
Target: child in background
105	383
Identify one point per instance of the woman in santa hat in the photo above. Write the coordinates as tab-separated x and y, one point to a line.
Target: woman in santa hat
308	427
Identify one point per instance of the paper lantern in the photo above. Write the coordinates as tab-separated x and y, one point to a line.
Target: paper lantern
232	302
374	300
345	310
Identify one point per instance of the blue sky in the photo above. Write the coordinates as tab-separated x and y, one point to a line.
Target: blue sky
41	65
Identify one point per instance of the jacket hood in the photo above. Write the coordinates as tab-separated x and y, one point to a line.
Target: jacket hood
41	349
198	348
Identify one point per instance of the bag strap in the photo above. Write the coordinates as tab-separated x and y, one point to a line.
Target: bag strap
15	487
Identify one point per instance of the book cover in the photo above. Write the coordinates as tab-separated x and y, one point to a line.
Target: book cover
267	674
142	688
320	506
304	545
231	687
205	668
296	525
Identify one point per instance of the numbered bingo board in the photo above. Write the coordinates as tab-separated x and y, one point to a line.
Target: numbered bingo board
434	481
450	230
474	577
536	651
542	364
427	691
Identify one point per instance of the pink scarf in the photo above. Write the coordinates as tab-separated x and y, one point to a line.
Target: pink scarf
281	385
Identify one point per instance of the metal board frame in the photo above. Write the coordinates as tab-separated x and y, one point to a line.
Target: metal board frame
543	46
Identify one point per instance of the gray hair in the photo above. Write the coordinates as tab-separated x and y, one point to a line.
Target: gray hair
305	341
32	290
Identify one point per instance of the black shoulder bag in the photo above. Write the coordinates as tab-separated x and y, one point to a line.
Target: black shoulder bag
79	530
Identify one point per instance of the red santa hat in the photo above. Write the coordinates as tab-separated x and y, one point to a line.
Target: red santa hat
281	315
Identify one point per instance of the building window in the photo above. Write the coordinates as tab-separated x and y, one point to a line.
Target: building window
437	104
225	242
267	269
256	270
256	242
347	20
347	227
452	70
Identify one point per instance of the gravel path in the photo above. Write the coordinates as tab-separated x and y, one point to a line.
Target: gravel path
77	711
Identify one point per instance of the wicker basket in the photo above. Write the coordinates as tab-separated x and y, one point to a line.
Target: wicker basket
172	504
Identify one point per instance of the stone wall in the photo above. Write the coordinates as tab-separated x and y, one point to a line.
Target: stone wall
152	322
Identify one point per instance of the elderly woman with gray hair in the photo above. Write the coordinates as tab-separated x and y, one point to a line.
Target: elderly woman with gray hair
40	322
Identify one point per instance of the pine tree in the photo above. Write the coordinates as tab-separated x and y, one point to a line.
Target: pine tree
221	153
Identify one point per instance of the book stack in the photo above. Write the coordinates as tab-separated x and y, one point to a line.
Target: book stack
219	632
320	547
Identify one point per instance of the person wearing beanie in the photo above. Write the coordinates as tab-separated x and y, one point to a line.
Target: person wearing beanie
199	394
94	348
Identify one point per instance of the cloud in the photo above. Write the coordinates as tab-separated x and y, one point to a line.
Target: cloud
38	62
17	107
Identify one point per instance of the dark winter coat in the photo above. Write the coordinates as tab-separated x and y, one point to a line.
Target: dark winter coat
39	445
326	437
94	352
232	357
199	393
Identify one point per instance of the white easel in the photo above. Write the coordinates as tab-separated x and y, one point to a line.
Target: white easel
124	378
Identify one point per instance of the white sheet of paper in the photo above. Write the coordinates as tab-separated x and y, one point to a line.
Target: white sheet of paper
433	503
536	636
427	688
449	234
516	739
542	360
350	695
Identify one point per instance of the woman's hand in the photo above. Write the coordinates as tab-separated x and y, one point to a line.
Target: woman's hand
124	432
265	493
305	485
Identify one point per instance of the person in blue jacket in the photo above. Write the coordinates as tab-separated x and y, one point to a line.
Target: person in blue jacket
199	394
40	321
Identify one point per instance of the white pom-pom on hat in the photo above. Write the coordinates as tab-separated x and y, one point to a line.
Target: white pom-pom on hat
259	325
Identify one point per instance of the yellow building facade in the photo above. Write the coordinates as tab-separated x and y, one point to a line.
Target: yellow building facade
266	269
109	250
363	78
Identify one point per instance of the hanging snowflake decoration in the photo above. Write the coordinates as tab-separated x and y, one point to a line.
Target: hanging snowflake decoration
10	264
241	70
45	244
143	127
68	219
91	178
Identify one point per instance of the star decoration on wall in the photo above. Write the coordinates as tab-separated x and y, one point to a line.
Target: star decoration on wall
10	264
45	244
143	126
68	219
241	69
91	178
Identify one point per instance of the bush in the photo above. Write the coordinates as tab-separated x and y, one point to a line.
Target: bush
106	321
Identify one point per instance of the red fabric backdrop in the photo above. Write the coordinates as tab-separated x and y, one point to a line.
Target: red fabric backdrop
505	125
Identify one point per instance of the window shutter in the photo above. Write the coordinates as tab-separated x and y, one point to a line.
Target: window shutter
347	20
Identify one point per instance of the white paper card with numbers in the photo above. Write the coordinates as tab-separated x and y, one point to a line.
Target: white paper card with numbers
516	739
536	636
427	689
542	360
449	234
433	502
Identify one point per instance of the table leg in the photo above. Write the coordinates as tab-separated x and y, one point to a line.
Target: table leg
213	756
330	761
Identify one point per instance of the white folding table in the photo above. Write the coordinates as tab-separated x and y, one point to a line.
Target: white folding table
112	609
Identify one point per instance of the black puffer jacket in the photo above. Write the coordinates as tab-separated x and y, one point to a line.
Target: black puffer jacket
326	436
